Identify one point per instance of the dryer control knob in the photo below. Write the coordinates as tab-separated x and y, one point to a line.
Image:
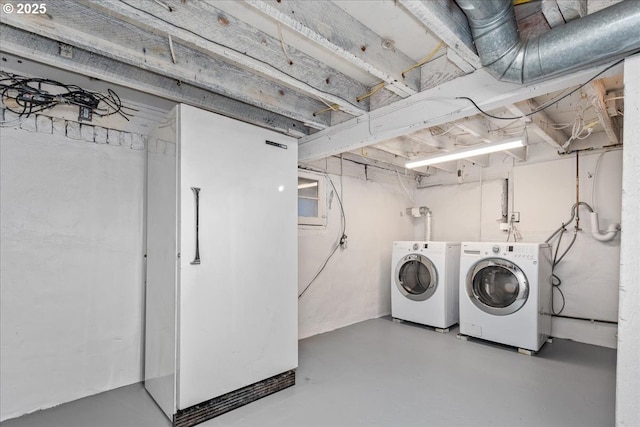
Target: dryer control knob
495	249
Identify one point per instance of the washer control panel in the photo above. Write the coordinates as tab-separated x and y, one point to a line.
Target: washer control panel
514	251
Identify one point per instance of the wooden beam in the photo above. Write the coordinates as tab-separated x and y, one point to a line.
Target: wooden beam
483	160
476	126
559	12
552	13
572	9
438	71
435	107
40	49
348	39
438	142
540	123
447	22
381	98
151	52
596	5
381	155
381	164
596	93
459	61
448	167
518	153
202	26
403	155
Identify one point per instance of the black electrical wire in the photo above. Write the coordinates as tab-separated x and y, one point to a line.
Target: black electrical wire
199	35
337	243
25	96
557	287
549	104
575	234
556	282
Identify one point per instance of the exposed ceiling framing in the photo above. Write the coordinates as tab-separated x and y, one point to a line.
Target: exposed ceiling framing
379	80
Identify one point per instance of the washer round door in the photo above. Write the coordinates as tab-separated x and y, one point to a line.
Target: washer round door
497	286
416	277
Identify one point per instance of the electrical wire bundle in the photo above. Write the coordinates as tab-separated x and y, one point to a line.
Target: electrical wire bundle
340	241
25	96
555	280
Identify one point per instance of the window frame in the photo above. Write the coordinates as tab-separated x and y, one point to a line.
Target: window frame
320	219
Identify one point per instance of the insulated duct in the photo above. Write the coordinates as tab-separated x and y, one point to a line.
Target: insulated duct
603	36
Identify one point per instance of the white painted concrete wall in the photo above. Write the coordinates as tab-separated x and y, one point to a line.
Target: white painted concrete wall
355	284
628	368
71	266
543	193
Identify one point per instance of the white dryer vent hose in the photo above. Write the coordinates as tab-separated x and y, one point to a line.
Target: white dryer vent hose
611	232
424	212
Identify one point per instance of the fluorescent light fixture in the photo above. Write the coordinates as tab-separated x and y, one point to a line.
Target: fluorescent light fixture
308	185
477	150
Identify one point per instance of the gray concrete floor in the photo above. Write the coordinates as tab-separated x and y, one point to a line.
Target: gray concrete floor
383	373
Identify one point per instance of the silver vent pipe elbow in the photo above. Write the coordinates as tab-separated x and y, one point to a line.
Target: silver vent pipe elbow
606	35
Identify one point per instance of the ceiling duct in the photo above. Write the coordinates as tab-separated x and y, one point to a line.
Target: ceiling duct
605	35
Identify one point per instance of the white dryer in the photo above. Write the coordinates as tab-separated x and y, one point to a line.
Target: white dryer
424	282
505	293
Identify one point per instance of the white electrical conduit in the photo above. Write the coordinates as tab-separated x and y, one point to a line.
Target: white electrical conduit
611	232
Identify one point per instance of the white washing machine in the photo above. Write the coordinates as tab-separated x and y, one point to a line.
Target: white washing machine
505	293
424	282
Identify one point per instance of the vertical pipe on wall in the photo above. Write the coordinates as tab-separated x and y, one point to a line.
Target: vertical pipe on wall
427	226
480	215
505	201
577	191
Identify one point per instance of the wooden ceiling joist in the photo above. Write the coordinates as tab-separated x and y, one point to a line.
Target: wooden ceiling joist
435	107
448	23
235	41
351	41
596	93
44	50
540	123
151	52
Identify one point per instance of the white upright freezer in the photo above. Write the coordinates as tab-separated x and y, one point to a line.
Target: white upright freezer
221	286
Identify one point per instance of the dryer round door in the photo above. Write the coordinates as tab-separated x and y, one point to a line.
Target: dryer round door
497	286
416	277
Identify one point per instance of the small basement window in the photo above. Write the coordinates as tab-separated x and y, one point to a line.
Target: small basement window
312	207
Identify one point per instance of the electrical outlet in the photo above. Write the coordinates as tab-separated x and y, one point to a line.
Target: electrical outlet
85	114
515	217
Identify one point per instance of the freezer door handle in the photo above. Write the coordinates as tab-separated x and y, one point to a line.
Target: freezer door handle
196	195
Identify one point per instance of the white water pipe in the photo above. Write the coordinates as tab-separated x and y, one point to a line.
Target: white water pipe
611	232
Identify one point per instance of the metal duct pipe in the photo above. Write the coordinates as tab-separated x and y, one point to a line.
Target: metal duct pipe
600	37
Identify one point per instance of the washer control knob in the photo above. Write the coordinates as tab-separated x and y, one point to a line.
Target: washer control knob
416	246
496	249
